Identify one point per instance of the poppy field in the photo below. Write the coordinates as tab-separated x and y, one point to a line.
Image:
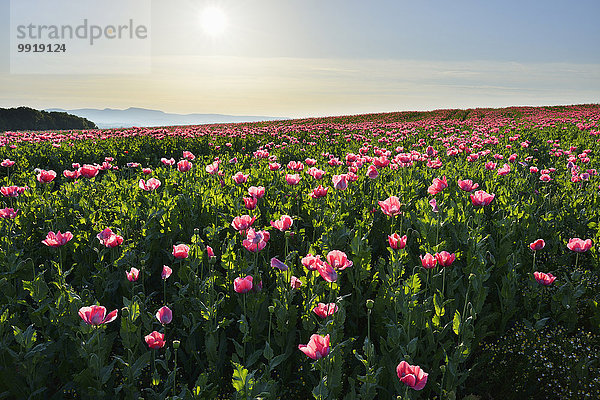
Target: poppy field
377	256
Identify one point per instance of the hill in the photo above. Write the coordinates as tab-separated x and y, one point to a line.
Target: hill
28	119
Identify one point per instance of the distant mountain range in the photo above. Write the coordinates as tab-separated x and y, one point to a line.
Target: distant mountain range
141	117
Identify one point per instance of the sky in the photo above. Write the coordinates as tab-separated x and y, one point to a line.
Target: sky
299	58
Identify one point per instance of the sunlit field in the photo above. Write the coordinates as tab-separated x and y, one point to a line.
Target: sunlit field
450	254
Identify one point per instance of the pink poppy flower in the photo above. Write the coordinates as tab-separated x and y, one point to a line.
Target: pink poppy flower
396	242
166	272
7	163
88	171
325	310
155	340
8	213
57	239
283	223
544	279
70	174
481	198
250	202
319	192
184	166
579	245
152	184
188	155
411	375
10	191
240	178
467	185
256	191
292	179
311	262
96	315
327	272
146	171
338	260
295	166
133	274
316	172
243	222
210	252
274	166
391	206
213	168
295	283
428	261
504	170
242	285
46	176
164	315
317	347
437	186
433	204
255	240
181	251
170	161
340	182
444	258
372	172
537	245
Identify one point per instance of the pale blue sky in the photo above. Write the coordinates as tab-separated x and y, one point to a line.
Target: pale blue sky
322	57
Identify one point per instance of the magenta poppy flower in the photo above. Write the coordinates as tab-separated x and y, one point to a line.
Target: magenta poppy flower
242	285
579	245
537	245
256	191
338	260
390	206
155	340
164	315
319	192
340	182
317	347
325	310
44	176
147	171
277	263
181	251
467	185
295	283
243	222
8	213
88	171
445	259
133	274
57	239
437	186
149	186
481	198
284	223
433	204
109	239
311	262
96	315
428	261
166	272
411	375
292	179
396	242
10	191
544	279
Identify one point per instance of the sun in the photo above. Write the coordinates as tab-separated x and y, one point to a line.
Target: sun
213	21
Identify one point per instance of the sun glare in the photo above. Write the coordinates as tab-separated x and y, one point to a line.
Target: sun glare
213	21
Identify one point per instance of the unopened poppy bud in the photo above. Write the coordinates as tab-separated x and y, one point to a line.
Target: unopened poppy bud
176	344
271	309
370	304
288	234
